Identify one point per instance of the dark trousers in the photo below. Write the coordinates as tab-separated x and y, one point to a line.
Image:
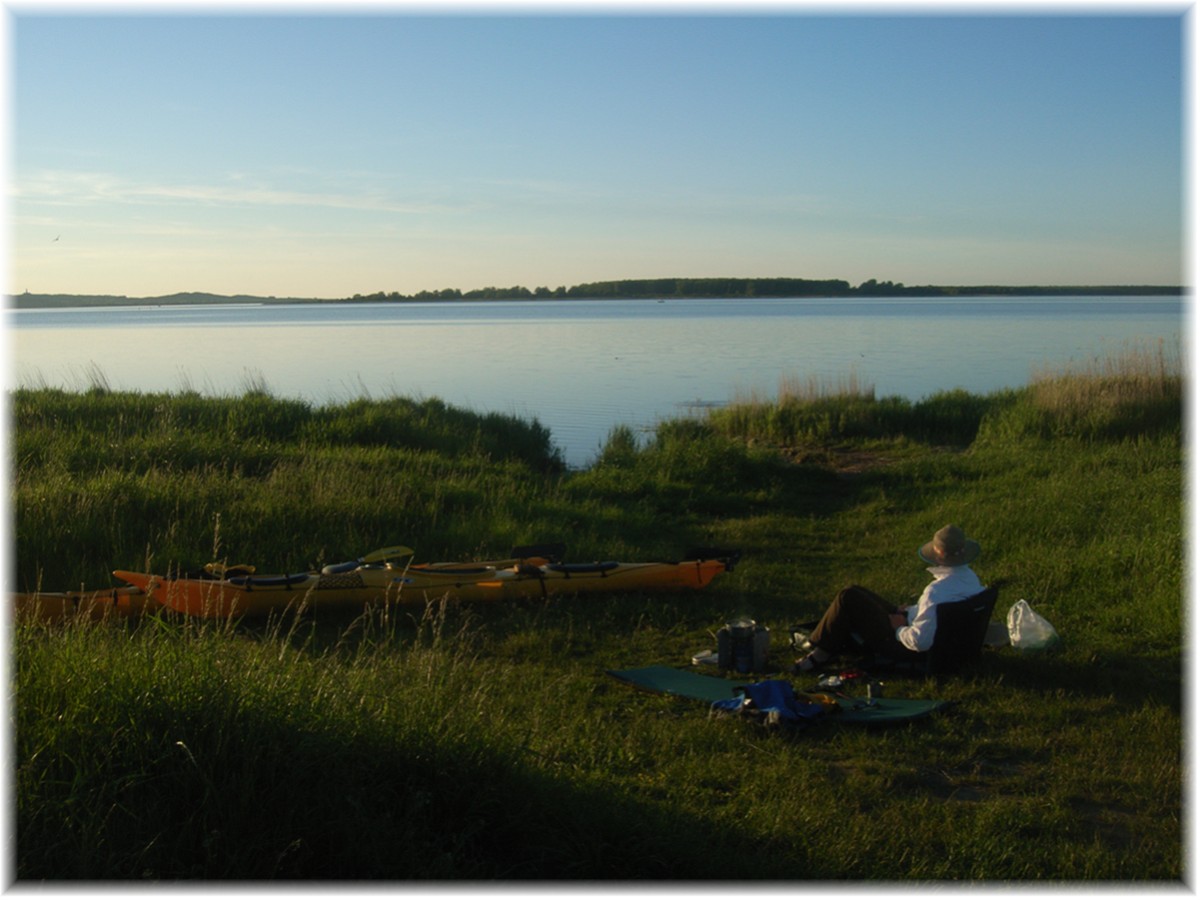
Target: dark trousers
858	611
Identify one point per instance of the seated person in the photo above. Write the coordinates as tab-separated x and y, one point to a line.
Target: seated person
899	633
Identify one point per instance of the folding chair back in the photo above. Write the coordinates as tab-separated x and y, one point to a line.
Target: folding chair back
960	632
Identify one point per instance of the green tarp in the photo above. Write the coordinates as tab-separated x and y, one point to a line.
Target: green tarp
711	688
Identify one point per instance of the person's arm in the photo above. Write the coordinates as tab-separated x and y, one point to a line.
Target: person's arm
917	635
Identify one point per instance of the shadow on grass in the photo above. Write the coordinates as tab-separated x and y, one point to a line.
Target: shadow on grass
1129	680
279	803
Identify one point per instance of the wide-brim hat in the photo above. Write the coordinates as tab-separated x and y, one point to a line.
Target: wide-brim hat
949	547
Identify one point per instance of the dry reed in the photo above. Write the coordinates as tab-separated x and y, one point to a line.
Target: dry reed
800	389
1136	375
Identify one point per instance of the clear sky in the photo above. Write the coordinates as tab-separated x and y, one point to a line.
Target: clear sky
295	153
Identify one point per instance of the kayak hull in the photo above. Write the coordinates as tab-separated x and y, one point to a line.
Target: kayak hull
415	584
61	606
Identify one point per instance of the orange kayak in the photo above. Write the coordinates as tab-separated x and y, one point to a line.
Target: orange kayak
59	606
355	586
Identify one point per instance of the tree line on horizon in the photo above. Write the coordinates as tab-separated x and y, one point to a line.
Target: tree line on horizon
734	288
628	289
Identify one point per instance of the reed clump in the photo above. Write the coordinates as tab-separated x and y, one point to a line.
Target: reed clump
814	413
1136	390
1137	374
1133	391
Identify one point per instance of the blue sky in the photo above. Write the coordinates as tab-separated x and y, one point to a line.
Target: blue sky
298	154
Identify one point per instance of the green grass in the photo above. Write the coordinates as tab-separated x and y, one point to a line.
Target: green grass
487	742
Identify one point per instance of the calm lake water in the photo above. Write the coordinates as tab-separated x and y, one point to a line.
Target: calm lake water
581	367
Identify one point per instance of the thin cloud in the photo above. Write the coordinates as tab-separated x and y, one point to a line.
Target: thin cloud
64	188
83	189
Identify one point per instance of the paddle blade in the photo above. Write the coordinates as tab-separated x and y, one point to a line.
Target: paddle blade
386	553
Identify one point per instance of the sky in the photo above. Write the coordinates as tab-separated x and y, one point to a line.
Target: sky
301	151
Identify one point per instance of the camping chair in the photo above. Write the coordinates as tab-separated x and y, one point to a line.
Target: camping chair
961	629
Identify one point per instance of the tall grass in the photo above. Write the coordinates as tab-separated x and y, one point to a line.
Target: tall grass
1137	374
951	417
1132	392
103	479
459	742
227	757
795	388
1136	390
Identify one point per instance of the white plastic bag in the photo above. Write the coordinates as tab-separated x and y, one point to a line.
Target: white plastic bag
1027	630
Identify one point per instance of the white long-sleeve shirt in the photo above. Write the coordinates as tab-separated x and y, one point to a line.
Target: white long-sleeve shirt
949	583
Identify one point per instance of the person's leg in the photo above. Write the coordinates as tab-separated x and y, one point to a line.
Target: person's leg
855	610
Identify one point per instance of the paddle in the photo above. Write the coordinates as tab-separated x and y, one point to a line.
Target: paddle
374	556
386	553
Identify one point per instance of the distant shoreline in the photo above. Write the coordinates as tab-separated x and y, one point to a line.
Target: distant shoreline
732	289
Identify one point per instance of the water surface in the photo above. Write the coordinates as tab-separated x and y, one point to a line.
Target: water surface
580	366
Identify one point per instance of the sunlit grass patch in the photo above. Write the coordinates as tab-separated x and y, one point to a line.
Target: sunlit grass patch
1135	390
820	410
796	388
1137	375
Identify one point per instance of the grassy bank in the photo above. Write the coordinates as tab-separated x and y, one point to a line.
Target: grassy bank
484	743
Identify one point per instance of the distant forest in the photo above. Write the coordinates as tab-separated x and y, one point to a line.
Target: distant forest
735	288
633	289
